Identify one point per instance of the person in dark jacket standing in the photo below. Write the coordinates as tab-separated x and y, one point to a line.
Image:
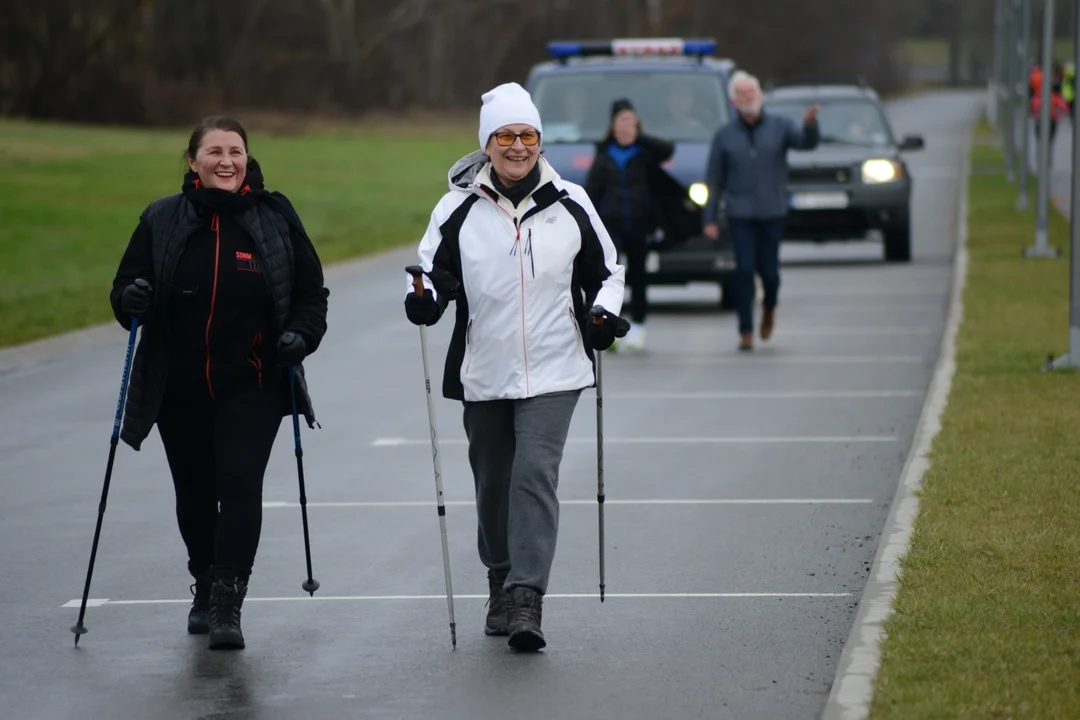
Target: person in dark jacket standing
531	269
748	170
229	292
620	185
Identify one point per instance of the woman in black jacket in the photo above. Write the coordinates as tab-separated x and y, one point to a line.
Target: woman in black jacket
229	292
620	185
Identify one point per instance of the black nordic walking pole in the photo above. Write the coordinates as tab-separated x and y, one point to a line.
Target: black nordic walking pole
417	273
311	584
80	629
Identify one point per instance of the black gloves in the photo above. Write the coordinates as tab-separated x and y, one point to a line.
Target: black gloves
422	309
291	349
135	300
601	336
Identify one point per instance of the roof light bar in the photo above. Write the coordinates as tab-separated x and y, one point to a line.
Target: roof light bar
563	49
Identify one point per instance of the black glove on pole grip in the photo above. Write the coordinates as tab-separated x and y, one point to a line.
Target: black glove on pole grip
417	273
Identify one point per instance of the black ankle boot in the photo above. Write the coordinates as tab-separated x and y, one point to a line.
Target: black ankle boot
524	626
498	620
226	598
198	619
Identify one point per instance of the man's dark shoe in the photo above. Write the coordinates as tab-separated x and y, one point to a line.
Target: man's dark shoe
525	612
198	620
498	621
768	322
226	598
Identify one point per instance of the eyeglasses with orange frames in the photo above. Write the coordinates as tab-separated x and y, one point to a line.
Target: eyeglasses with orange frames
505	138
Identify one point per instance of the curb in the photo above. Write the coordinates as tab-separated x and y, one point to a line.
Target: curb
852	688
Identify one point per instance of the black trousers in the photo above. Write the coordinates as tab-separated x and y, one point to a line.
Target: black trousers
218	451
634	244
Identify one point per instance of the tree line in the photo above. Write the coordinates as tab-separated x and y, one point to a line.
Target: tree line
168	61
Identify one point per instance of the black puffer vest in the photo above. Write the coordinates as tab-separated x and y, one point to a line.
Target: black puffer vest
172	221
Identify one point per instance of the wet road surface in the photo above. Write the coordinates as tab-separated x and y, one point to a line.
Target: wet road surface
746	494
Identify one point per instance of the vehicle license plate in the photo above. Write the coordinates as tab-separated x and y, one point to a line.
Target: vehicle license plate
819	200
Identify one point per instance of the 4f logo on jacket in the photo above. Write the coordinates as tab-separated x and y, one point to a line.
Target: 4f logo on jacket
246	263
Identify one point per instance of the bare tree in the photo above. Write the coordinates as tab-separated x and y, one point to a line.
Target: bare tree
172	60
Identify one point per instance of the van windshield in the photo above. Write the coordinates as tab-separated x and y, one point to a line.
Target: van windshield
674	106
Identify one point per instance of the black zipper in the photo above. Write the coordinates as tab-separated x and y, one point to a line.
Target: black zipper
517	238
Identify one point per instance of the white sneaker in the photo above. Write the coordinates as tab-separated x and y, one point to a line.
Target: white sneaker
635	338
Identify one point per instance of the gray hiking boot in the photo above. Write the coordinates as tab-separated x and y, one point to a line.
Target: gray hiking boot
525	611
226	599
498	620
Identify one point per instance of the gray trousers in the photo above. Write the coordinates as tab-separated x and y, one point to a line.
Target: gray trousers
515	449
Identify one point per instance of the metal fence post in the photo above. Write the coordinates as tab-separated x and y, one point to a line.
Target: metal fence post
1072	358
1042	248
994	106
1008	75
1024	50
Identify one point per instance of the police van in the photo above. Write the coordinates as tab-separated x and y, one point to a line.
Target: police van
679	91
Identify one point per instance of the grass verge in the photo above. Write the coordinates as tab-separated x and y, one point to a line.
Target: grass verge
986	622
70	197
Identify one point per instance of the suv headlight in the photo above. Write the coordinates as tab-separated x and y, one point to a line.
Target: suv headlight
881	171
699	193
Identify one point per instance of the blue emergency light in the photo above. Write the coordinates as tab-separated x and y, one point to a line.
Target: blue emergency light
563	49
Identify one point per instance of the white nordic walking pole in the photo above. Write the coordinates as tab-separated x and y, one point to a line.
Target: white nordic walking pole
418	286
599	317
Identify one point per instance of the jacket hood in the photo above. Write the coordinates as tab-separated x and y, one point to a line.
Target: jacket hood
476	166
463	173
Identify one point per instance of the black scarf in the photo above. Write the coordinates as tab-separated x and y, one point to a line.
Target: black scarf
223	201
516	193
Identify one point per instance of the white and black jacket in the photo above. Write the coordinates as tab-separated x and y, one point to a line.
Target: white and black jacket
528	277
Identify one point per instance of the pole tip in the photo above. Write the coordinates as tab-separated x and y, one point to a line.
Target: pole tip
79	631
310	586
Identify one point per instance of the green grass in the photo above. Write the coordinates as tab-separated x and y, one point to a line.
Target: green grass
935	51
987	617
71	196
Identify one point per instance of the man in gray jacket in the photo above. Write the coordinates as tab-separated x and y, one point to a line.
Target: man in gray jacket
748	173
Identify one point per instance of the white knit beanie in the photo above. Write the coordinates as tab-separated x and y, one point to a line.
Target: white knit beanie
506	104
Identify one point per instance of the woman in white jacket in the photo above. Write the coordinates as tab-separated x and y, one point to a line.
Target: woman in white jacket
538	290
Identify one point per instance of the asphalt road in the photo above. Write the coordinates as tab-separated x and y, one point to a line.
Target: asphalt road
717	608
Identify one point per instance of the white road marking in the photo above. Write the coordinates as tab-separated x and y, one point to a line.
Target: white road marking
767	395
860	307
718	440
836	330
90	602
277	504
552	596
874	292
760	358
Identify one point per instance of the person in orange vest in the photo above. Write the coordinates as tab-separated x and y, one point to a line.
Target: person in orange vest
1059	108
1035	81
